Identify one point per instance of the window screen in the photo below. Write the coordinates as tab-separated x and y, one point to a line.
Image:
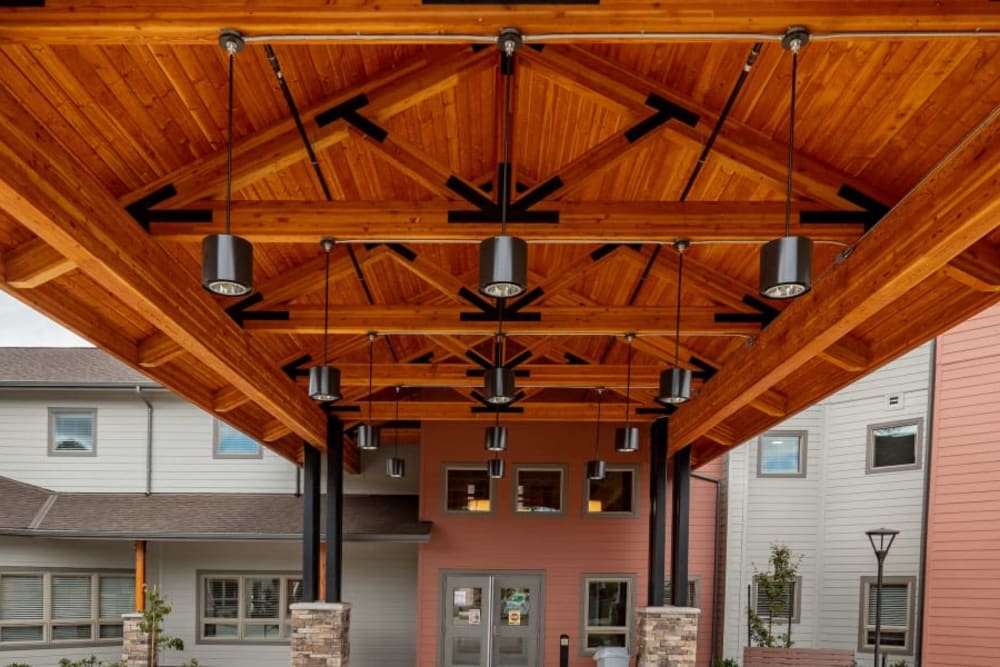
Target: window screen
781	454
230	442
72	431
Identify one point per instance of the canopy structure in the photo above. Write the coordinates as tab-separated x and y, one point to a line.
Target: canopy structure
630	128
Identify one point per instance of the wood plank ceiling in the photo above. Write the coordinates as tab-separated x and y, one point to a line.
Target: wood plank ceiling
108	106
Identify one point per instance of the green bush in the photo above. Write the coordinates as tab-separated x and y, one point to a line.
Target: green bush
728	662
92	661
18	664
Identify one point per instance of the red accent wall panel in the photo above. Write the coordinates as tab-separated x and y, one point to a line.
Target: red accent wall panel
962	606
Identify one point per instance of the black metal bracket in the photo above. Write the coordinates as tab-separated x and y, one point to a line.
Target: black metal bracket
142	211
240	314
764	316
706	370
872	213
293	369
574	360
331	407
505	408
665	110
348	111
665	410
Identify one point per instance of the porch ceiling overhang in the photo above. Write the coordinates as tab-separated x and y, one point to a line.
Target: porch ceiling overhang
112	128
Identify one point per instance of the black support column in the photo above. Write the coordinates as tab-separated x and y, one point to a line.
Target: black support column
334	507
657	509
680	527
311	464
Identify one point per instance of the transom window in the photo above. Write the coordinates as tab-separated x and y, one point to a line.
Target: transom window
613	495
251	607
896	630
72	431
894	446
607	612
64	606
232	444
539	489
467	489
782	454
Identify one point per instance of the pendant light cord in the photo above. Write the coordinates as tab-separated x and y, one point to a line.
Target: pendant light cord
628	378
791	144
395	451
326	306
371	366
229	143
677	330
505	184
597	438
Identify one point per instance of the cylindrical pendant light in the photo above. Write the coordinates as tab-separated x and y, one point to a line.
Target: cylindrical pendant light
595	467
396	467
368	435
227	260
495	468
324	380
675	383
498	385
496	438
786	262
627	437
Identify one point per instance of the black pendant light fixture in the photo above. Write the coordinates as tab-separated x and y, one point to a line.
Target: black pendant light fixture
496	442
675	383
498	382
786	262
596	467
627	437
324	380
503	259
227	260
368	435
395	467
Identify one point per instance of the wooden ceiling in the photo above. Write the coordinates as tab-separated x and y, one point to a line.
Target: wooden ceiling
112	148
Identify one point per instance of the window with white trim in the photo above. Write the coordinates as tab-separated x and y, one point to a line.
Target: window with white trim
607	611
232	444
896	631
63	607
894	446
782	454
72	432
247	607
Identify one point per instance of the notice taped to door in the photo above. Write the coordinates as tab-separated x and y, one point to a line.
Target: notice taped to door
513	618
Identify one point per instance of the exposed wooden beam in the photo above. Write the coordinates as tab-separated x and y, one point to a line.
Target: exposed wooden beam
158	349
849	353
415	163
977	267
161	21
554	321
540	375
545	411
948	212
34	263
593	222
45	189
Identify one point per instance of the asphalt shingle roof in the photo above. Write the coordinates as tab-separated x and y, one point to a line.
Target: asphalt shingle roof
65	366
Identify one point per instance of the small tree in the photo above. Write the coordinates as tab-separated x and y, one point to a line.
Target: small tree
152	624
776	585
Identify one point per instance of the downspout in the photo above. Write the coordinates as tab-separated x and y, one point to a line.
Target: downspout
149	440
924	520
715	561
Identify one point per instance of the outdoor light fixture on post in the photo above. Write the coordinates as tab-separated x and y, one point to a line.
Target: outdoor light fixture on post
395	467
786	262
503	259
596	467
368	434
324	380
227	260
675	383
627	437
881	540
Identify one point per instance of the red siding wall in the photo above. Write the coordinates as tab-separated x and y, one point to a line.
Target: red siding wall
564	547
962	606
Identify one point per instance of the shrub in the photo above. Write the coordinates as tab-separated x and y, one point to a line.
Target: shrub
728	662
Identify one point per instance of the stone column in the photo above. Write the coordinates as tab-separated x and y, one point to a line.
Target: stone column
666	636
320	634
135	643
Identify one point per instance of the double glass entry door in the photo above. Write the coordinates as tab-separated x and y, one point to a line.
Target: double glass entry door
492	620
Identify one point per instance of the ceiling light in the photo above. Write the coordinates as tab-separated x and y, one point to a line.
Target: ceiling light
227	260
324	380
499	385
368	435
786	262
595	467
395	467
496	437
627	437
495	468
675	383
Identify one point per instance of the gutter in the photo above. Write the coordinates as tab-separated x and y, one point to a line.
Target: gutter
207	537
925	518
149	439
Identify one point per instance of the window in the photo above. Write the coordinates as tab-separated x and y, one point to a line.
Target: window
897	614
539	489
782	454
64	606
467	489
613	495
694	587
72	432
231	444
607	611
894	446
247	607
793	597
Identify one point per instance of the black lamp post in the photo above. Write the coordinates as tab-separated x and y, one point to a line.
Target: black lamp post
881	540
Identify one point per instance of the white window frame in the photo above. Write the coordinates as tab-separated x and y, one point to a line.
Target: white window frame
47	622
283	621
918	446
478	467
867	583
53	412
796	598
634	471
217	453
803	437
539	467
587	630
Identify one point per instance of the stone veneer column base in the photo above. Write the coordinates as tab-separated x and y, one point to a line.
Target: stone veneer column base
135	643
666	636
320	634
